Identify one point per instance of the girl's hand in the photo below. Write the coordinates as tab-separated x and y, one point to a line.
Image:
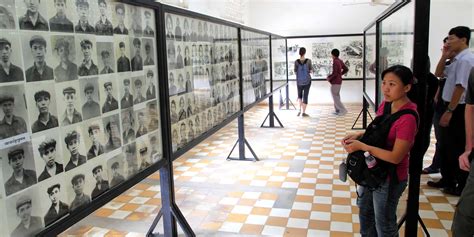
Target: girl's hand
354	145
351	136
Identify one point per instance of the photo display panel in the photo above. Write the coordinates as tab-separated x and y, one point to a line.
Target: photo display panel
318	49
79	107
255	66
203	71
279	61
370	63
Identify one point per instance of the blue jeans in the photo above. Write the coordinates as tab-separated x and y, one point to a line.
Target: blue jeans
377	209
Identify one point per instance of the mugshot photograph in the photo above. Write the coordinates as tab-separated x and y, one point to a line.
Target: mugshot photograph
173	110
60	19
180	83
84	22
116	169
127	98
187	57
128	126
174	136
169	27
149	23
42	107
94	139
155	147
171	54
107	98
13	113
150	85
7	14
186	30
120	18
131	159
123	61
182	108
31	15
35	56
173	90
54	192
136	21
179	58
141	116
143	153
23	212
10	62
64	55
149	52
112	132
49	161
18	168
138	83
105	54
90	96
178	34
73	146
183	134
88	56
101	182
103	25
78	191
137	60
69	92
197	125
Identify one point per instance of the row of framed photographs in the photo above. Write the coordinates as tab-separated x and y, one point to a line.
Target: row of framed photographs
45	56
49	105
101	17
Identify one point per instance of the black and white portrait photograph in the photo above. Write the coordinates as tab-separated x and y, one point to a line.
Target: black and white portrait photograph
36	57
182	107
136	52
48	157
116	171
105	56
11	65
149	52
143	153
136	21
120	19
52	193
112	132
139	89
103	26
109	94
183	134
149	19
64	56
94	138
173	90
74	151
13	114
126	94
61	18
31	15
80	184
151	83
90	97
174	136
122	49
131	159
178	33
174	109
99	172
186	30
41	101
24	213
69	103
7	14
128	125
87	59
169	27
156	153
84	21
141	127
18	167
152	116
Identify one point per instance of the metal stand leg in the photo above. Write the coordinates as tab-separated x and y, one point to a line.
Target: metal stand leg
287	100
242	143
364	112
271	114
404	218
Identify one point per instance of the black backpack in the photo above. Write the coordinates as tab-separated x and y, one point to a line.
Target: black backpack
375	135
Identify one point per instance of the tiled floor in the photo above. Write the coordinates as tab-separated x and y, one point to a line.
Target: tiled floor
293	190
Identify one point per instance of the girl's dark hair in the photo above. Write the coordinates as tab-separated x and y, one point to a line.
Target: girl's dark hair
402	72
302	51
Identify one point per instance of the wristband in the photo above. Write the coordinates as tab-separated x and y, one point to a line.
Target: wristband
449	110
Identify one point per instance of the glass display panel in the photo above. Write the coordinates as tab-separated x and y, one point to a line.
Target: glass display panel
396	41
318	49
203	71
255	66
79	106
370	57
279	62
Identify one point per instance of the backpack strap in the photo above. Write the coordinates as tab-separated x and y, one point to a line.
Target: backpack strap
305	61
399	113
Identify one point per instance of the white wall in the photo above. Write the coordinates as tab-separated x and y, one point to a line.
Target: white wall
444	15
320	93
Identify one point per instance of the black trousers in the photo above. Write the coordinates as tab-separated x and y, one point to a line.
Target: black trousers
452	140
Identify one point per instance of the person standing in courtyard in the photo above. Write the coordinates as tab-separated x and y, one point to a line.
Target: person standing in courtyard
303	70
335	78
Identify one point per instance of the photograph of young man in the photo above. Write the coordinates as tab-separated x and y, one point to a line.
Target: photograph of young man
117	178
29	224
96	148
137	60
151	90
105	55
60	22
91	108
138	91
66	70
87	67
110	103
120	14
71	115
101	184
8	71
149	54
10	125
80	199
113	136
33	20
47	151
123	63
45	119
103	26
72	141
39	71
21	178
127	99
57	208
83	26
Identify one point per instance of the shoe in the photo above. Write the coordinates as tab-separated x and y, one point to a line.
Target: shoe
342	113
429	170
299	112
305	115
438	184
335	113
452	191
